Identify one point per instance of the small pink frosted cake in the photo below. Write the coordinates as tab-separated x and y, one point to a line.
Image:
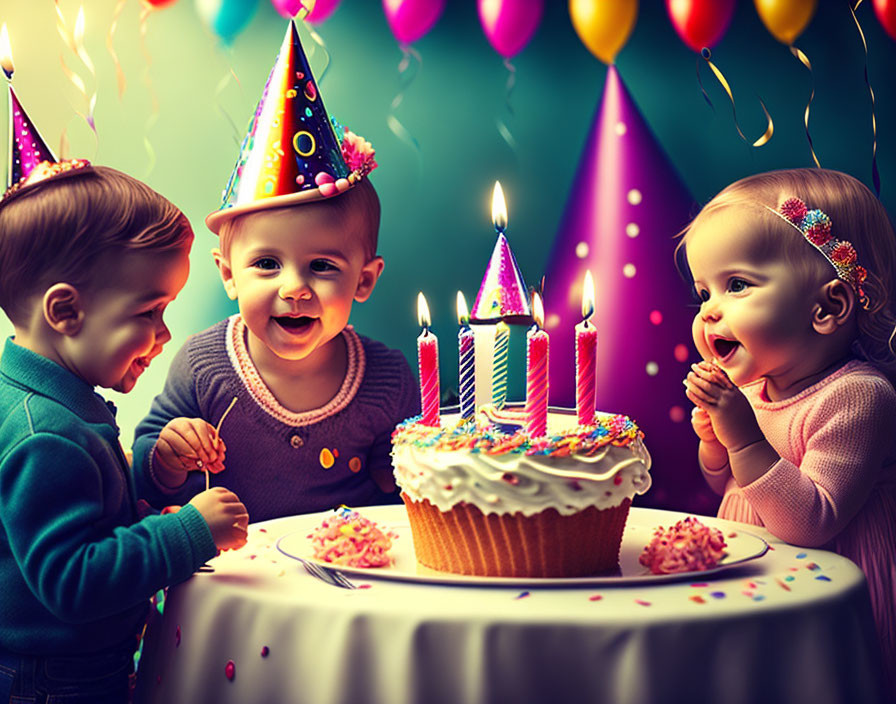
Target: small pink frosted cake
688	546
350	540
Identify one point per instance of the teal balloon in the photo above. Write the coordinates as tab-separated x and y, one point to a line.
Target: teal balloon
226	18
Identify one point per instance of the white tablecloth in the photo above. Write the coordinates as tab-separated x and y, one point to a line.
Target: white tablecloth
792	626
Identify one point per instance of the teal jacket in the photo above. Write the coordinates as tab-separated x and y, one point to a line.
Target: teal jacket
77	566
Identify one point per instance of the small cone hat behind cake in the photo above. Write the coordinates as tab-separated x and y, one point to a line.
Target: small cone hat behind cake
291	152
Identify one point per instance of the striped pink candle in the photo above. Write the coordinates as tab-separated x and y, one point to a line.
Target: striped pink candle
537	348
586	357
428	364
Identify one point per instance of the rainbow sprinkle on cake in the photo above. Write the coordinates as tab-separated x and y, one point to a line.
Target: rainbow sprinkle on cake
349	539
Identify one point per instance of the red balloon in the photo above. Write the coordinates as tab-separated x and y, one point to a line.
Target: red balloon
886	15
158	3
700	23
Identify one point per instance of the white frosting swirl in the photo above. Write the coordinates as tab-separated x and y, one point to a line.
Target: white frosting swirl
515	482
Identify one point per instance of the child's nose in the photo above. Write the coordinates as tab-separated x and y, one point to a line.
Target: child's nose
295	288
709	311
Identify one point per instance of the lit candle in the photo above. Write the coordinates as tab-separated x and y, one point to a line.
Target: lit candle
502	331
428	362
537	347
586	357
466	361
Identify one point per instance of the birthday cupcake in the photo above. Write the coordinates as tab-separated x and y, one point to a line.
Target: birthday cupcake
483	498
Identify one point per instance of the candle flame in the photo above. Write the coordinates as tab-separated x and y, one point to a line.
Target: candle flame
423	311
499	208
463	313
587	296
6	52
537	310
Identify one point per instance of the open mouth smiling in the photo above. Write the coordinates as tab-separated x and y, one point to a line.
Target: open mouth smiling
294	324
723	348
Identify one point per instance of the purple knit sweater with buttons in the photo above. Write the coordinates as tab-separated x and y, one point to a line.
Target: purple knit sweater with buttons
279	462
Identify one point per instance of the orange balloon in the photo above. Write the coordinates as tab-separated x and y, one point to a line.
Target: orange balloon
603	25
785	19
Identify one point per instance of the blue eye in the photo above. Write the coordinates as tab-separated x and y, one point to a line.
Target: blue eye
322	265
267	263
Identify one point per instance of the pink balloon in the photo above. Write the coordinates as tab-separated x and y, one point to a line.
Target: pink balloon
509	24
700	23
411	19
322	9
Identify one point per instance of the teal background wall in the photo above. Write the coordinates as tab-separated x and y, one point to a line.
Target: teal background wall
189	98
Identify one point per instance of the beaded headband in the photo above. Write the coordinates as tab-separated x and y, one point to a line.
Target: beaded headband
815	227
44	171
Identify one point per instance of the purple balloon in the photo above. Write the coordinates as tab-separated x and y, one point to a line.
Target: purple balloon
411	19
509	24
290	8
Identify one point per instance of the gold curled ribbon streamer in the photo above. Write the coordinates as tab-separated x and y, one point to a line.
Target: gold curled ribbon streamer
222	84
770	127
154	99
405	78
503	128
110	45
805	61
875	174
75	41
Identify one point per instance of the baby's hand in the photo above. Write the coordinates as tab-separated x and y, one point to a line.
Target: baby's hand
226	516
731	416
702	425
187	444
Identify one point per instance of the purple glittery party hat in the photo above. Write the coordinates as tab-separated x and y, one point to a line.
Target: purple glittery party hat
502	293
26	147
291	152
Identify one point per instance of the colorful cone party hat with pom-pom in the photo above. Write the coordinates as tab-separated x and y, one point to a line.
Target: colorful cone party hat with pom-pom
291	153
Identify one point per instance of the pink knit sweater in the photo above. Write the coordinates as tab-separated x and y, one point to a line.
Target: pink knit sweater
835	484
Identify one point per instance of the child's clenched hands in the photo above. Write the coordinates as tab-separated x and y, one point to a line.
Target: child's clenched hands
225	515
731	418
187	444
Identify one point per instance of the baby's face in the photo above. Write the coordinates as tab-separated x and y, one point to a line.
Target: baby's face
755	315
295	273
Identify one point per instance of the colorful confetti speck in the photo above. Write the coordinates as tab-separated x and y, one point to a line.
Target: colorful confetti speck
783	585
641	602
700	584
595	597
717	595
522	595
265	651
326	458
812	566
801	556
823	578
759	597
230	670
354	464
696	598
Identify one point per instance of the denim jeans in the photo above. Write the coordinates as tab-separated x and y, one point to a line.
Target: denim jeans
95	678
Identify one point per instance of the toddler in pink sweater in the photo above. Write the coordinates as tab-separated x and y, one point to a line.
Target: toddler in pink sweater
794	406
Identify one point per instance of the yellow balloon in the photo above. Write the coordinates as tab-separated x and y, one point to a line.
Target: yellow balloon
785	19
603	25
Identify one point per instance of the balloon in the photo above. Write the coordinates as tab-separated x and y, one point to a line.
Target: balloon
158	3
411	19
603	25
509	24
785	19
886	14
700	23
290	8
226	18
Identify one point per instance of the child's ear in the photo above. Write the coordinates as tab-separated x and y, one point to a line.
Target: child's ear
226	272
370	272
63	309
834	307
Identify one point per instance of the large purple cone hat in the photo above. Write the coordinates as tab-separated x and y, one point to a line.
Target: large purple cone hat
30	159
502	293
291	152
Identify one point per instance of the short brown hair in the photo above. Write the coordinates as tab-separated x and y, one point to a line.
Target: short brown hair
361	201
59	229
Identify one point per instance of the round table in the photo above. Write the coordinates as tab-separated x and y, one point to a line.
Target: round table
791	626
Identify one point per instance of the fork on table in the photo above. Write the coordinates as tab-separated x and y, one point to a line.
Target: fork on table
328	575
